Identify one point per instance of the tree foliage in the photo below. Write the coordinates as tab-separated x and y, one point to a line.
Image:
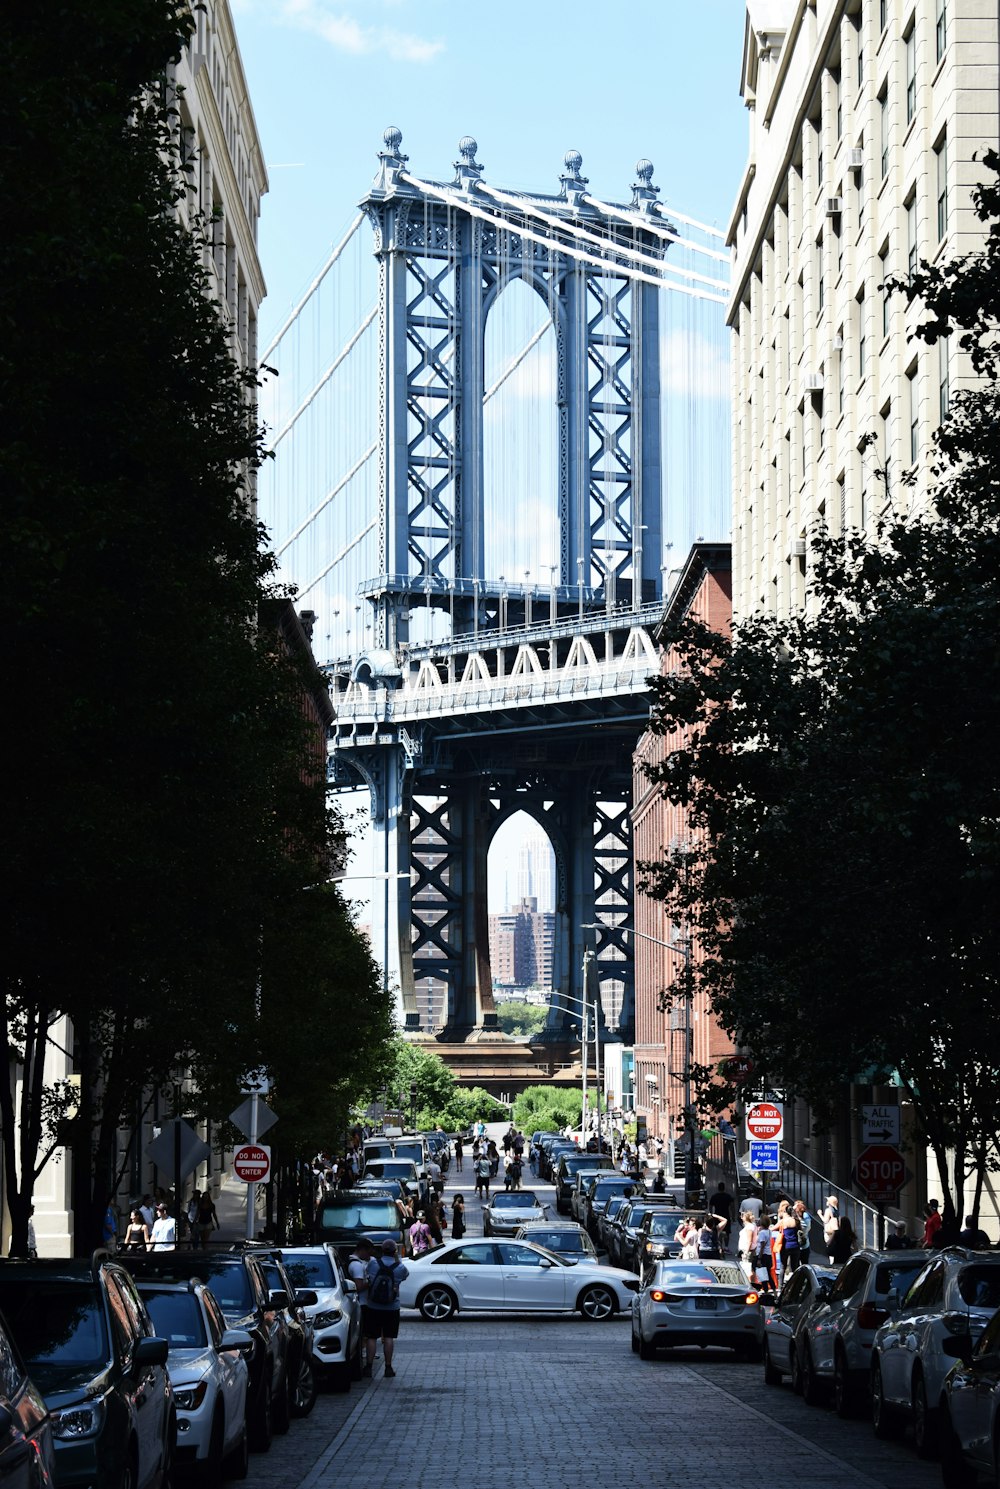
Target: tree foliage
515	1017
164	812
548	1109
843	783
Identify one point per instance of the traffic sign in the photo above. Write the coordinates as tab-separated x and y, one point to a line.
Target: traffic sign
242	1117
880	1124
765	1158
252	1163
737	1068
765	1121
881	1172
163	1150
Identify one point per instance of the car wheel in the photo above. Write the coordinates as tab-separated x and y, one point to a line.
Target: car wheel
811	1391
844	1394
304	1391
486	1227
358	1359
646	1351
210	1468
281	1406
955	1472
236	1464
130	1472
884	1420
924	1419
437	1303
794	1369
260	1428
772	1375
597	1303
635	1341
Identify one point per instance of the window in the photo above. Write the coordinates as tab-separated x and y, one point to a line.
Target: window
883	106
838	237
911	73
862	347
941	152
842	501
820	293
885	443
911	236
883	259
883	8
944	387
840	371
861	60
819	153
850	1280
941	29
838	104
911	392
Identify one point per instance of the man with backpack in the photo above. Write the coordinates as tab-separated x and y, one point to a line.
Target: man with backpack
380	1310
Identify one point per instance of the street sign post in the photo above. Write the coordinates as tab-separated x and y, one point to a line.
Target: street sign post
252	1163
881	1172
179	1148
737	1068
765	1121
880	1124
253	1117
765	1158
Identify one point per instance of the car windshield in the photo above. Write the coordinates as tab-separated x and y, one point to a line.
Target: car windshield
358	1215
55	1323
393	1168
979	1286
898	1275
229	1282
310	1271
414	1151
664	1224
524	1200
177	1317
637	1215
562	1240
604	1188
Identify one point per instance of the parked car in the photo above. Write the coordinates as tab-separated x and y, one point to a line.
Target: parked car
238	1284
954	1296
607	1219
625	1229
696	1302
596	1193
969	1408
209	1375
808	1285
833	1337
335	1316
85	1335
474	1275
551	1149
569	1240
27	1448
344	1217
397	1168
655	1238
293	1303
567	1168
508	1210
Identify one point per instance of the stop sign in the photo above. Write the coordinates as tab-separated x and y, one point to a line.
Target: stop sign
880	1171
765	1119
252	1163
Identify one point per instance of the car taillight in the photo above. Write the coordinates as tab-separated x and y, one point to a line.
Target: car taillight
870	1316
753	1297
657	1295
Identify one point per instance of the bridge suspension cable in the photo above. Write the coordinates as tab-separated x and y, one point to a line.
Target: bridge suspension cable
294	314
339	557
340	358
453	199
330	495
661	229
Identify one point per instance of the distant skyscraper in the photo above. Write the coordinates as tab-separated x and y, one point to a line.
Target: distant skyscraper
536	873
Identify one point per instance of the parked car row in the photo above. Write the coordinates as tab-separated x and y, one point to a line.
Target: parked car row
152	1360
911	1336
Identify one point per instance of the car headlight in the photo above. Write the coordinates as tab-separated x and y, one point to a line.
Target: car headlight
325	1320
189	1398
74	1422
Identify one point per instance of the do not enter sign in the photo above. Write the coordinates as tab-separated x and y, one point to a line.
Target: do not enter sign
765	1120
252	1163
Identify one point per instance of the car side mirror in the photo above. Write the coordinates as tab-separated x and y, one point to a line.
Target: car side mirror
151	1352
305	1297
277	1299
958	1347
349	1287
235	1339
547	1265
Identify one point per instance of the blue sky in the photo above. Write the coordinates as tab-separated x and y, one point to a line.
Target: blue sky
655	78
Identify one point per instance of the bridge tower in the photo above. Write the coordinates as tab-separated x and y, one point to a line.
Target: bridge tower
534	700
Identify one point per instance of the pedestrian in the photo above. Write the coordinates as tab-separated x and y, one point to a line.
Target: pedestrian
380	1310
457	1218
146	1210
788	1229
721	1204
164	1233
805	1229
206	1218
898	1240
421	1240
843	1242
136	1233
932	1223
660	1182
830	1216
494	1156
518	1144
514	1170
191	1216
710	1236
765	1269
754	1204
459	1153
109	1228
506	1141
972	1236
746	1244
483	1170
435	1177
357	1266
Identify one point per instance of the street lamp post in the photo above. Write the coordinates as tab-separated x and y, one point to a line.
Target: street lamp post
585	1005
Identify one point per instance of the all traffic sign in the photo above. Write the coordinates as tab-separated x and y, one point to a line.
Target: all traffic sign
252	1163
765	1121
881	1172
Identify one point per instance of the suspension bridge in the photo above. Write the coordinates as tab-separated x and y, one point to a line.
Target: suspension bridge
496	415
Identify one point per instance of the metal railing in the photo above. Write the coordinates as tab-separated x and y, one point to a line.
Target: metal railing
797	1179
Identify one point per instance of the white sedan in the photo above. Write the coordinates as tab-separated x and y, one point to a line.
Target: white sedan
489	1275
508	1211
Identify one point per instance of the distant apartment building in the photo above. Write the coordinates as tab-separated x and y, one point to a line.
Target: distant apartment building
522	945
864	118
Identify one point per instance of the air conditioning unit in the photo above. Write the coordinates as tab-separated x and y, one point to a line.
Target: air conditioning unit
812	382
799	548
838	343
855	158
834	206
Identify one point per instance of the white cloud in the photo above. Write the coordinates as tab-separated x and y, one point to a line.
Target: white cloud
345	32
694	365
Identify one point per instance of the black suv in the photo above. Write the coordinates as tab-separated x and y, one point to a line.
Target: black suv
301	1377
346	1215
239	1286
85	1335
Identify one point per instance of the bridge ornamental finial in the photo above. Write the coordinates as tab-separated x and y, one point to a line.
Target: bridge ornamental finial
391	162
644	193
467	170
572	183
393	138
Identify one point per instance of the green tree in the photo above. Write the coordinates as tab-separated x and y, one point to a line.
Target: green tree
843	785
548	1109
521	1018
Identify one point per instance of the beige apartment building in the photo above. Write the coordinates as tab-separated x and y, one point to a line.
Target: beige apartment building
864	120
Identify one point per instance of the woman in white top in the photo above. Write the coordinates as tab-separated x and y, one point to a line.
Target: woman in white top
746	1244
